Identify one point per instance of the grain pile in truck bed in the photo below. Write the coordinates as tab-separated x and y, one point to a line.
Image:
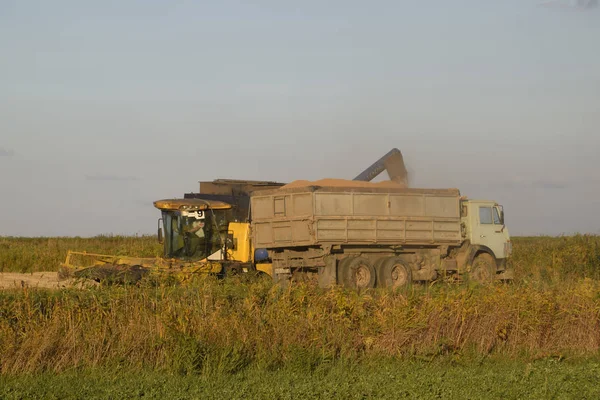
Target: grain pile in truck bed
328	182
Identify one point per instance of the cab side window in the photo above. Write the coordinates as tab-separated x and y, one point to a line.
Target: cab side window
496	216
485	215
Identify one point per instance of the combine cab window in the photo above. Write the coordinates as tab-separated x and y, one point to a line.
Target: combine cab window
193	236
485	215
173	240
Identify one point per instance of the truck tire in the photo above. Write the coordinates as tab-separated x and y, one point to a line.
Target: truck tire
483	269
358	273
393	272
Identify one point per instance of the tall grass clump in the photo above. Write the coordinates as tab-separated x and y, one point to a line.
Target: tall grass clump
211	326
215	327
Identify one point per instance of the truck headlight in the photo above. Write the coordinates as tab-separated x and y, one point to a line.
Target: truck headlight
507	248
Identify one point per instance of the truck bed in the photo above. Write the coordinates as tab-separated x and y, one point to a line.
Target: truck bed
313	216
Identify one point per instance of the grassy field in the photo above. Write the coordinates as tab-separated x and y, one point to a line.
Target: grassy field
536	259
45	254
548	379
537	337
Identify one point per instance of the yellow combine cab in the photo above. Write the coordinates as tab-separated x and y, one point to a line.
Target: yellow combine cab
199	236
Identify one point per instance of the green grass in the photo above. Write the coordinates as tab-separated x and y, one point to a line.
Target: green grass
385	379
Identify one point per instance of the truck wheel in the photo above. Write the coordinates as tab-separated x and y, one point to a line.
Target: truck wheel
394	273
358	273
483	270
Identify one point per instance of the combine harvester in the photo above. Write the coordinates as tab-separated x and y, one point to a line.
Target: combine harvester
355	233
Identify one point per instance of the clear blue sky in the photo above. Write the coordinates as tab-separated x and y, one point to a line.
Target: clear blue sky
106	106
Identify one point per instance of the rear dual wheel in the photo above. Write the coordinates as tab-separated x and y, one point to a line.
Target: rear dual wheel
388	272
357	273
393	272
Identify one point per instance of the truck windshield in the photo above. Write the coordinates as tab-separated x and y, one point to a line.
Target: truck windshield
194	235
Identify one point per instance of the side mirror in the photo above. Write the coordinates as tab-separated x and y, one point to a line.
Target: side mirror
160	232
502	217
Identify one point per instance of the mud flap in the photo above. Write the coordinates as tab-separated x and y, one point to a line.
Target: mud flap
425	274
328	273
506	275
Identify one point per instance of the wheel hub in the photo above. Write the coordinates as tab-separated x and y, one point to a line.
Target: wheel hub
481	272
399	276
363	276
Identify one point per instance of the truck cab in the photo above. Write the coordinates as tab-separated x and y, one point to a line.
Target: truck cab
484	227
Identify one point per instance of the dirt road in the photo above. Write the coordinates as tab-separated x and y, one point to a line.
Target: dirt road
48	280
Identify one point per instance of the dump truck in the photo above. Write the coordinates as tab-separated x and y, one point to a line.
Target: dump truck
363	237
350	232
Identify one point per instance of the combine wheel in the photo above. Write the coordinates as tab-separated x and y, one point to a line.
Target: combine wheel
231	270
357	273
261	276
483	270
393	273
